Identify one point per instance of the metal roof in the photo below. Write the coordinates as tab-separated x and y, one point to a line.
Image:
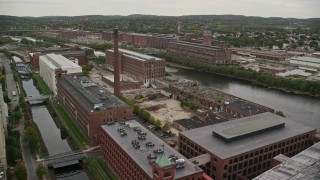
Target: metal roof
305	165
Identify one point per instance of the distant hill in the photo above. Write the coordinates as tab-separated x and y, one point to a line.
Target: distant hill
161	24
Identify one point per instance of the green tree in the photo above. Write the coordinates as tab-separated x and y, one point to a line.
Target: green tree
7	53
166	127
157	123
32	138
280	113
280	44
293	46
41	171
16	116
20	171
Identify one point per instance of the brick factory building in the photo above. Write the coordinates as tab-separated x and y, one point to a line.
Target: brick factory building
70	53
134	39
217	100
90	105
161	41
107	36
52	66
304	165
244	148
141	67
89	51
133	152
205	54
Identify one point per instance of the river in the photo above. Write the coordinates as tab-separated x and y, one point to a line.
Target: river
299	108
54	140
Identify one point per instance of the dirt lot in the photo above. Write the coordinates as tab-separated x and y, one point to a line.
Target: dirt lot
169	111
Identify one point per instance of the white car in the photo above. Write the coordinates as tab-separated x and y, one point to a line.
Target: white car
1	174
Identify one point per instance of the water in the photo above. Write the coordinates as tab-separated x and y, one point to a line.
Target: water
300	108
51	134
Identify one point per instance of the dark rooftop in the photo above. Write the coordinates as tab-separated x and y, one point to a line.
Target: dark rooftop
246	107
204	138
89	94
203	46
139	155
235	131
62	51
305	165
197	121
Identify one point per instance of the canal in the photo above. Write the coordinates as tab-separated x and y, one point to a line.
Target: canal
300	108
54	140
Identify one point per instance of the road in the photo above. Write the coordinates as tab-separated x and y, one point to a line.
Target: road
11	85
30	163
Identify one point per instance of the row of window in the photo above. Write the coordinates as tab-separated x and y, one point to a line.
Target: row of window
119	161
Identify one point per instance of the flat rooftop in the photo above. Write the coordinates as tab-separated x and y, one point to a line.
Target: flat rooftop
89	94
237	104
204	138
305	165
202	46
60	61
140	155
306	59
237	130
137	56
197	122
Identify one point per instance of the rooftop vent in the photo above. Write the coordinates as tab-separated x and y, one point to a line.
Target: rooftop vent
103	94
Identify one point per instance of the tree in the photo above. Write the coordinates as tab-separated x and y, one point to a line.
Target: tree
157	123
32	138
20	171
280	113
294	46
313	44
41	171
166	127
16	115
280	44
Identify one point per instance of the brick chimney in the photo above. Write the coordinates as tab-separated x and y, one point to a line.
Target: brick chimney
116	64
207	38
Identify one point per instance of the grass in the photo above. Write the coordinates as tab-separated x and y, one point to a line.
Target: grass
99	169
42	85
79	138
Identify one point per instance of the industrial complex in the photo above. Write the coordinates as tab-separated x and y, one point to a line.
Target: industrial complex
244	148
90	105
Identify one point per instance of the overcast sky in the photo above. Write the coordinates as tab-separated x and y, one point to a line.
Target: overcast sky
264	8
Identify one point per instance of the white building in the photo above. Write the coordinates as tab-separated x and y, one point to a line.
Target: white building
50	64
306	62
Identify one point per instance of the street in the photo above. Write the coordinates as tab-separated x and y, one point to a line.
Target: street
11	86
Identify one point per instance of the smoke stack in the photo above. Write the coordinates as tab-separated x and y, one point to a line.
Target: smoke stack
207	38
116	63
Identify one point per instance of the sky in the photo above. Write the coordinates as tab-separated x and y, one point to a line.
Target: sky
264	8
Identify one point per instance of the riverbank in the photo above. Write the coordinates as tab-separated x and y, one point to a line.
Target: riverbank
254	82
170	64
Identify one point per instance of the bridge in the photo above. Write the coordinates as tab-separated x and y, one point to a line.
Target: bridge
69	156
37	98
63	157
